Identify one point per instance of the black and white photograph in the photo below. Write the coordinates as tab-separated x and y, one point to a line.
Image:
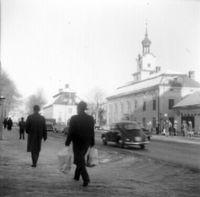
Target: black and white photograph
99	98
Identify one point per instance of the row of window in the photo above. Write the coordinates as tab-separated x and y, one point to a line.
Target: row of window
170	105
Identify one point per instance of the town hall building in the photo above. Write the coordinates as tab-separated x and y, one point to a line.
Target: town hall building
149	98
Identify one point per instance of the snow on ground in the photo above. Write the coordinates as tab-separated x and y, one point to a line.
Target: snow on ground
116	175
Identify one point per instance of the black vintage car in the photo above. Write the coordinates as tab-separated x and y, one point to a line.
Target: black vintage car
125	133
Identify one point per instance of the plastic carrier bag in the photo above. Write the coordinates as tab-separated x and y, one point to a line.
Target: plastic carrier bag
92	157
65	160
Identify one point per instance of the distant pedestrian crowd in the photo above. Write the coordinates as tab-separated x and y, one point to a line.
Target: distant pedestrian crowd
169	129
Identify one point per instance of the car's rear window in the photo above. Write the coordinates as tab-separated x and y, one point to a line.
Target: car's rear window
131	126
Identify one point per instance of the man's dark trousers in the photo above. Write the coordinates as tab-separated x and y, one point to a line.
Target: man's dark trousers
21	135
81	170
35	156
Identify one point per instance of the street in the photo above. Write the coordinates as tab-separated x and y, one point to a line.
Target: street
178	151
121	172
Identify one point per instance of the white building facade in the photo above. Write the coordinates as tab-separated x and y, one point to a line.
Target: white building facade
150	97
62	106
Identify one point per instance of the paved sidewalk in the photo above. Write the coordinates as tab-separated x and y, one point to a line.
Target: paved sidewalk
124	175
179	139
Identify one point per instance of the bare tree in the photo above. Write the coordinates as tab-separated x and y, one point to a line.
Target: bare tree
35	99
9	91
96	102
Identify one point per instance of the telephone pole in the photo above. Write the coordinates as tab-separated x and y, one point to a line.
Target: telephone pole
1	97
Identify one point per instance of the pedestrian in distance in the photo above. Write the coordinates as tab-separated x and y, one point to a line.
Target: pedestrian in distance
184	127
22	126
5	123
9	124
36	130
81	134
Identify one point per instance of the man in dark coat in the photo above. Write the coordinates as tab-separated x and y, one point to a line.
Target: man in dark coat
81	133
36	130
9	124
22	126
5	123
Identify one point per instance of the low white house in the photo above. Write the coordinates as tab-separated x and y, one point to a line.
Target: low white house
188	109
62	106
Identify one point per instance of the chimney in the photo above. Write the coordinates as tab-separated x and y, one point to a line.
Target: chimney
191	74
158	69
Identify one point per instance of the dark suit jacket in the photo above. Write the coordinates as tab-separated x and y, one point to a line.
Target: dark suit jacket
36	129
81	133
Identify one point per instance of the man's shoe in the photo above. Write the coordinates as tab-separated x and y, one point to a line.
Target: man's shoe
85	183
76	179
33	165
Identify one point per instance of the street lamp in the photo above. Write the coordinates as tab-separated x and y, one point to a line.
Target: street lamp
2	98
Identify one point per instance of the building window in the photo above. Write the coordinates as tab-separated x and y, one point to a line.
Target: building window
144	106
136	104
154	122
144	122
154	104
171	103
122	108
149	65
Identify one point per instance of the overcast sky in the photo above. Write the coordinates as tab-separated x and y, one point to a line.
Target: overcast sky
94	43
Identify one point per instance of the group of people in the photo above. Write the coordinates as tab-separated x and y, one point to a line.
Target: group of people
170	129
81	134
186	129
8	123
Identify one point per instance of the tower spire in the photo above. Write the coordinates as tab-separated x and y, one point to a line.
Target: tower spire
146	42
146	34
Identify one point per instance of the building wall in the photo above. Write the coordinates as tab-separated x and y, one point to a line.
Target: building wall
63	112
149	62
132	105
48	112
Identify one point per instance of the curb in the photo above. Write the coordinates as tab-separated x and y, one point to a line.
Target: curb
179	139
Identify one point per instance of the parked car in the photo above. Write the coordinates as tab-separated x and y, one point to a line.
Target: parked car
125	133
59	127
50	124
49	127
147	132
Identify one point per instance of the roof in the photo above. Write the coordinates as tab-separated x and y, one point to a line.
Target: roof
63	98
170	79
192	100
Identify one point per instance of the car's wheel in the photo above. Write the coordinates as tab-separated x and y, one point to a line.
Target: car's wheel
120	143
142	146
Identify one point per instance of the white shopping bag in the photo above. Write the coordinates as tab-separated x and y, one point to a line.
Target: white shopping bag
92	157
65	160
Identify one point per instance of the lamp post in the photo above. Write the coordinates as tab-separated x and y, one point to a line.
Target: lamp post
1	116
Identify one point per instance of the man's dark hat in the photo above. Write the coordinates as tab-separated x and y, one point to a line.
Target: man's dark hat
36	108
82	105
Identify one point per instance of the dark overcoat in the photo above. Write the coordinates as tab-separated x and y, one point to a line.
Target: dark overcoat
36	130
81	133
9	124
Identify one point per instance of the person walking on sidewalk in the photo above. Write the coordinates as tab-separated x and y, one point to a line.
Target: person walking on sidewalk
5	121
36	130
22	126
9	124
81	133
